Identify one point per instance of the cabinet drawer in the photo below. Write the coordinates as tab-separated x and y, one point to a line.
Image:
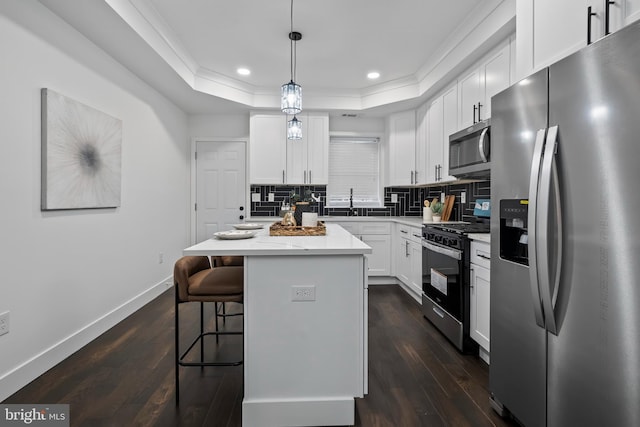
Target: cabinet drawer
481	254
375	228
412	233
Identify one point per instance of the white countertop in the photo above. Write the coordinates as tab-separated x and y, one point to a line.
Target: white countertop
338	241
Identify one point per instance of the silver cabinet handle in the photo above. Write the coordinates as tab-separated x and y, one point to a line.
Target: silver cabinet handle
415	177
549	177
481	145
305	177
283	181
473	277
532	226
309	176
412	177
483	256
406	248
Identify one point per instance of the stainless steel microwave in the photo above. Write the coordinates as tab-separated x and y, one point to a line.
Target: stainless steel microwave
470	150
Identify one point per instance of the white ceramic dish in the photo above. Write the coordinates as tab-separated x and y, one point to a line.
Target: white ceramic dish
248	226
234	234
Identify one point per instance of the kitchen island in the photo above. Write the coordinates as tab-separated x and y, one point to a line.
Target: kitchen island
305	326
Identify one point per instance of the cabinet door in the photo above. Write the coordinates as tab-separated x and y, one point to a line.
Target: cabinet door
480	305
449	126
495	74
380	259
623	13
402	146
550	45
267	149
317	143
403	261
435	140
415	250
422	146
470	95
630	12
297	156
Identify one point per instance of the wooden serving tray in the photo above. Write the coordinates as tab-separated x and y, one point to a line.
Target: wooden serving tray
277	229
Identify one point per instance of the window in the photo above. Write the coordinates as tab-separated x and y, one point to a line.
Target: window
354	163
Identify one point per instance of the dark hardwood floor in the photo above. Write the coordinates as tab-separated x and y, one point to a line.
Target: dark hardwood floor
126	377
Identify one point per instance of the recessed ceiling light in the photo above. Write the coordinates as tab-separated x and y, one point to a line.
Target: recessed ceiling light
243	71
373	75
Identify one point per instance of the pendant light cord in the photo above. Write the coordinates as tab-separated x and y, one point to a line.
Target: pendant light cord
292	46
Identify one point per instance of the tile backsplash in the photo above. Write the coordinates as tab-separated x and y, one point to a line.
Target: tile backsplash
410	200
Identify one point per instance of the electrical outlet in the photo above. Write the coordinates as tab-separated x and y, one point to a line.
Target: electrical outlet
303	293
394	198
160	258
255	197
463	197
442	197
4	323
272	197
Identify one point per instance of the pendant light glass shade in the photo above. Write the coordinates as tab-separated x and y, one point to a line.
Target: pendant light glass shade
291	101
294	128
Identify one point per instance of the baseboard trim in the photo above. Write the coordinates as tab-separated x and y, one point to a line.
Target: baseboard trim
23	374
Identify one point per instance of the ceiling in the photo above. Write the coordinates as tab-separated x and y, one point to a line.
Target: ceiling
190	50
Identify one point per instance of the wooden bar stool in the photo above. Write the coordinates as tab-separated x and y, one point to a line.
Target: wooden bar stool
198	280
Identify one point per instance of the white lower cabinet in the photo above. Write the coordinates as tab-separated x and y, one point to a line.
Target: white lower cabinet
480	297
408	258
378	236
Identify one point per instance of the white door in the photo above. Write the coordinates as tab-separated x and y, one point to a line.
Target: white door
220	186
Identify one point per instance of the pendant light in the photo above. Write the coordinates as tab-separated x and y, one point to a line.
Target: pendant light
294	128
291	99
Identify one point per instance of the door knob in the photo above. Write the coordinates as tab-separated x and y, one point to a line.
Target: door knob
241	208
241	217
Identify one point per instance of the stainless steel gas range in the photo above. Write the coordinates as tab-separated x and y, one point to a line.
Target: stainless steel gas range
446	279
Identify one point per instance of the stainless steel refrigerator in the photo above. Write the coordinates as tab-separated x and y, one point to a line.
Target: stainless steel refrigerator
565	240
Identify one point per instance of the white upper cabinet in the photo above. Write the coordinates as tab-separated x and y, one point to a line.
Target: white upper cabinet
275	160
308	158
435	140
442	116
470	94
267	148
477	86
549	30
402	148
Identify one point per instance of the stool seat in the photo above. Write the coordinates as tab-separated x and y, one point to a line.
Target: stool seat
221	284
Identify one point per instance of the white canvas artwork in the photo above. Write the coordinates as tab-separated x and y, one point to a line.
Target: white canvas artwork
81	155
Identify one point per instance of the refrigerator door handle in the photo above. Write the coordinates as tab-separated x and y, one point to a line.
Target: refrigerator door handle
481	145
532	226
549	177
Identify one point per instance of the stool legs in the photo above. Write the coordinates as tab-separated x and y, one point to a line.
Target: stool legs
179	359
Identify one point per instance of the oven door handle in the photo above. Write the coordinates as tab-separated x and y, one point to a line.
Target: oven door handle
452	253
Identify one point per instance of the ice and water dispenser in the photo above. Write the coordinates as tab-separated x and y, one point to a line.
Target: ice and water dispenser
513	230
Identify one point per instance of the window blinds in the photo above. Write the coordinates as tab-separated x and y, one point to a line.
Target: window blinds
354	163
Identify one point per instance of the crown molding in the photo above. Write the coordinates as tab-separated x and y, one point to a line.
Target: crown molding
488	18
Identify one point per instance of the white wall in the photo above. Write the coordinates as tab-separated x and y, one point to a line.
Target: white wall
67	276
363	125
219	125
